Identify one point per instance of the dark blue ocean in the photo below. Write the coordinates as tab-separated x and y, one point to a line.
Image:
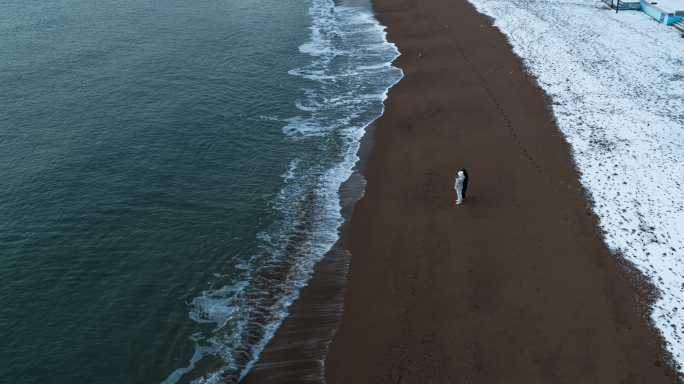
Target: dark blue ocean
169	176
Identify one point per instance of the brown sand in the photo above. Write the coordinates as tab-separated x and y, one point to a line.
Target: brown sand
516	285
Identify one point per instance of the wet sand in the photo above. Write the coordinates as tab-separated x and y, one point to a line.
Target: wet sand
297	352
516	285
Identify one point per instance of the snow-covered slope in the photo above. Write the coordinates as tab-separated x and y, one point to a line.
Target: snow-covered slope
617	85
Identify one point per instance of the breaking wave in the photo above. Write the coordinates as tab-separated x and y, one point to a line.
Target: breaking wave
347	77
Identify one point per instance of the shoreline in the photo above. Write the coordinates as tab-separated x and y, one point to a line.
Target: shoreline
298	350
422	306
298	347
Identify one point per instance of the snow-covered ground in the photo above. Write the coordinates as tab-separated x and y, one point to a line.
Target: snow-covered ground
670	5
617	85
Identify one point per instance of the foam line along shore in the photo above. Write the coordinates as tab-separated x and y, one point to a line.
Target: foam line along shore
298	350
346	80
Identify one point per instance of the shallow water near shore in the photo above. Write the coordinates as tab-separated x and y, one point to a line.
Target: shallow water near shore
171	174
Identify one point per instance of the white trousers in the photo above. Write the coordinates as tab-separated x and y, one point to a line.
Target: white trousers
459	191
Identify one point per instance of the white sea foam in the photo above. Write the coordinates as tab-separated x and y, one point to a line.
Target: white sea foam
212	306
291	169
176	375
346	82
616	82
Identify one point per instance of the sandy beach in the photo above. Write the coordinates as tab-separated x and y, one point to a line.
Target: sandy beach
514	286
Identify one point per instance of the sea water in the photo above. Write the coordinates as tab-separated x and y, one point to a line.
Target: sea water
169	175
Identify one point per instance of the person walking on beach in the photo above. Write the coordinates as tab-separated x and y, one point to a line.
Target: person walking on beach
461	185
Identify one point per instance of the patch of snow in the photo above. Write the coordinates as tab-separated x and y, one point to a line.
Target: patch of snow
670	6
617	85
